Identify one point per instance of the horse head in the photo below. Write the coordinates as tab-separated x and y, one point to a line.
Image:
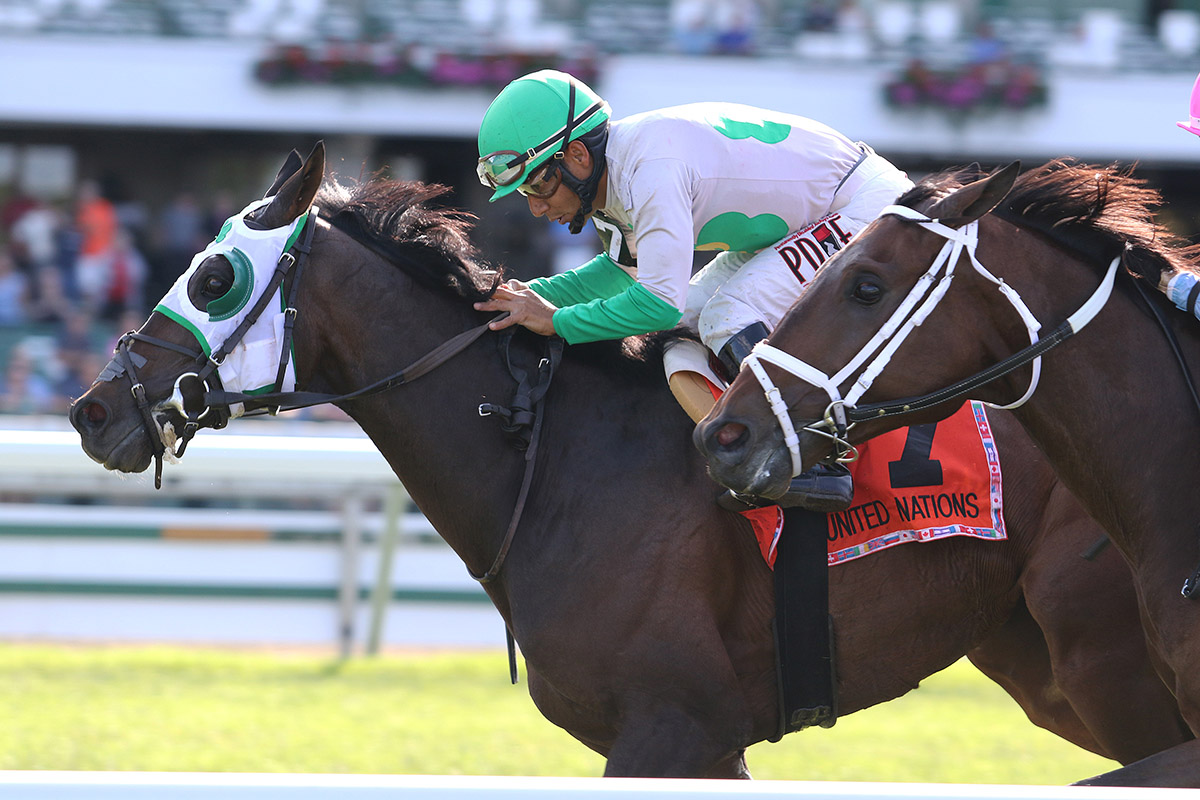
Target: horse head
211	332
785	410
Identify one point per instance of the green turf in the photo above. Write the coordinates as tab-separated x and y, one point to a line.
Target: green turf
203	710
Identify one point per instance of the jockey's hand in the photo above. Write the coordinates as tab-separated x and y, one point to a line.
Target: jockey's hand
524	306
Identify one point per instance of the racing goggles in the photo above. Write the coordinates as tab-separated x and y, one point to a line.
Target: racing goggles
544	181
505	167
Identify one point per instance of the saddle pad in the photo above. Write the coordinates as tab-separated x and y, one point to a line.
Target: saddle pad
913	484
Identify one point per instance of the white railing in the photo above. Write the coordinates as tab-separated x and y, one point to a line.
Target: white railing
333	463
227	786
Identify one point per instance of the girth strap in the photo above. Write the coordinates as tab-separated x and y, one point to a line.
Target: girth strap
554	349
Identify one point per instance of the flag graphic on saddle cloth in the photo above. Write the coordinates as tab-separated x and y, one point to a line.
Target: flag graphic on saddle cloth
914	484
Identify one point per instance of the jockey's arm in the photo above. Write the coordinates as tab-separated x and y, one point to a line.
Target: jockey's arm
603	301
600	301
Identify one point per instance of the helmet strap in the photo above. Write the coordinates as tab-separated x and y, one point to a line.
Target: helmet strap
595	141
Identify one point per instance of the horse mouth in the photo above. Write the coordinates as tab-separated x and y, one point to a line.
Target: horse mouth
766	478
762	469
130	454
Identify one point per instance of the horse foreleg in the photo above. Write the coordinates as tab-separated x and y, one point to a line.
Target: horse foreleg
732	767
1178	767
1016	657
1087	610
666	744
670	743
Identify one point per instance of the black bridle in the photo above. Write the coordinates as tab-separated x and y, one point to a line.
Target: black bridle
523	420
207	374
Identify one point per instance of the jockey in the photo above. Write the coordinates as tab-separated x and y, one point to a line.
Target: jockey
1182	287
1192	124
777	194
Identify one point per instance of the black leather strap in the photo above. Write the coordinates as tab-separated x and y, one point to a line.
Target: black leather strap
804	646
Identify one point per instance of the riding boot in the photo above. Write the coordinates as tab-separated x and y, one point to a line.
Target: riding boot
824	487
691	377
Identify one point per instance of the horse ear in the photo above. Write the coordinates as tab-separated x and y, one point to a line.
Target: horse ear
295	195
289	168
975	199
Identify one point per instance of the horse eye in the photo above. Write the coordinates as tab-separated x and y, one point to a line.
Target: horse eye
867	292
213	280
215	286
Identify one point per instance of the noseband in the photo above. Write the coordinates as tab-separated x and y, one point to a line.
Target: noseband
843	413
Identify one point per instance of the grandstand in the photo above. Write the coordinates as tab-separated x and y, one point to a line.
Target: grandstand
154	97
158	100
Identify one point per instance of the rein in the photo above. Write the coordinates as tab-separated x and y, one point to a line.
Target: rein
843	413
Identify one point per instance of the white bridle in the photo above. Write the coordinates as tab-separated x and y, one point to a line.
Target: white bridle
928	291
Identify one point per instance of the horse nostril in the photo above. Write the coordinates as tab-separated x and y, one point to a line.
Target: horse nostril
730	433
93	415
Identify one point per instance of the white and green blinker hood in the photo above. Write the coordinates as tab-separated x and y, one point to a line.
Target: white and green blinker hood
252	365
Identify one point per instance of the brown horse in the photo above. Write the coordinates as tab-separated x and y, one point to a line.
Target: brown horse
642	609
1114	407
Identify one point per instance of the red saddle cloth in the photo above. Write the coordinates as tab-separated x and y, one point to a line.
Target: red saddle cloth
914	484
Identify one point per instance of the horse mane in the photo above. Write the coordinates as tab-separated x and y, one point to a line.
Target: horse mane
1096	210
402	222
398	220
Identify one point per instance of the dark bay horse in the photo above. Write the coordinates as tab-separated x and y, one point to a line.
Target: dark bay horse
1113	407
643	610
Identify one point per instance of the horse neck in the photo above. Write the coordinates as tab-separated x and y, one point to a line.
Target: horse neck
459	467
1114	416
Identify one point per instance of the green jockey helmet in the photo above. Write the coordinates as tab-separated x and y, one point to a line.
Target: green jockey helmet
531	120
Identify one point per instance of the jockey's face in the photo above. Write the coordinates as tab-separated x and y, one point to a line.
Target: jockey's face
563	204
559	207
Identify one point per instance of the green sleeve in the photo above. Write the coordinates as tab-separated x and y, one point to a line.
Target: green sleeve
600	278
635	310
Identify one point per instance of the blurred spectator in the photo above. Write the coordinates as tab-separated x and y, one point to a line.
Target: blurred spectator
851	19
820	16
32	237
22	389
130	320
220	208
78	358
38	235
67	241
181	230
14	291
50	302
74	337
78	376
692	28
737	26
97	221
984	46
13	208
124	291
